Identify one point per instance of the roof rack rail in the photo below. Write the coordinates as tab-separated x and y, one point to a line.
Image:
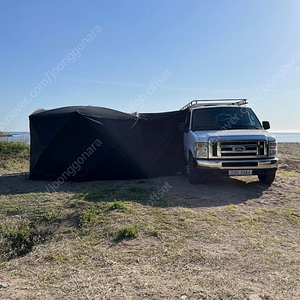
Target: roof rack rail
215	102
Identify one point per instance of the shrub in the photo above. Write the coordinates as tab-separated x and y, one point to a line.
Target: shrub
14	149
117	205
19	239
129	232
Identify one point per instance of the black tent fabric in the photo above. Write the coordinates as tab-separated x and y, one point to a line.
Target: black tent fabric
81	143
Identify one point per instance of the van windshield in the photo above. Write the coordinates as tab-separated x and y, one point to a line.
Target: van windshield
224	118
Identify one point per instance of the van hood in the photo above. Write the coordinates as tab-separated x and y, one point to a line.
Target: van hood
234	134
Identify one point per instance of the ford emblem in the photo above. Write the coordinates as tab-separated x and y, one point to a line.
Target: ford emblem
239	148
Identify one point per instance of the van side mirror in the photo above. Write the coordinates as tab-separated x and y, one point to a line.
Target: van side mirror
183	127
266	125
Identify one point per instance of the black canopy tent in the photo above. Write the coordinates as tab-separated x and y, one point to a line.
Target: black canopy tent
82	143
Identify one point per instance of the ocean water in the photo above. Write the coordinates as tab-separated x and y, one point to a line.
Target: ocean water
282	137
287	137
17	137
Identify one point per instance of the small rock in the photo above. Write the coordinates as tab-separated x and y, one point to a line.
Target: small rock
184	297
283	166
3	286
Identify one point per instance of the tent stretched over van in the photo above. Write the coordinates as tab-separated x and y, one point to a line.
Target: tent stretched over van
82	143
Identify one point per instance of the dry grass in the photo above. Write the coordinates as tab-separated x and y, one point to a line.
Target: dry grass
228	239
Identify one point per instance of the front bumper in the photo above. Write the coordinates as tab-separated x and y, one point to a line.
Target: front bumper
230	164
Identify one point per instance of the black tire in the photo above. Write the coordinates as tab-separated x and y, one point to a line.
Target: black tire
192	172
267	179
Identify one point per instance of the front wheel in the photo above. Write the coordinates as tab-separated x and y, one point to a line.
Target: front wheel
192	173
267	179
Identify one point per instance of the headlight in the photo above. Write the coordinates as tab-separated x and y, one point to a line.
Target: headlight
201	150
272	149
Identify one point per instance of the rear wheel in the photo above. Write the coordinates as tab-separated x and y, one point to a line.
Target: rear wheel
267	179
192	172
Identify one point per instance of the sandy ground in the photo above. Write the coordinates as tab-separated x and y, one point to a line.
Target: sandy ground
211	196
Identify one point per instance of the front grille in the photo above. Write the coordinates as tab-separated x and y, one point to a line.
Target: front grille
238	149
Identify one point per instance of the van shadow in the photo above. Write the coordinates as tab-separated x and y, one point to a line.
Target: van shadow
179	193
216	191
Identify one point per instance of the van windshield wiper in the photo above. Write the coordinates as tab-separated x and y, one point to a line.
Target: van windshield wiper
206	128
244	127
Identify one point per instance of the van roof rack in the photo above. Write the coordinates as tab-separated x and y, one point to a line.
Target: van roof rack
216	102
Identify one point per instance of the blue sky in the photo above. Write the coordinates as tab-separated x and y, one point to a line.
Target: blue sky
192	49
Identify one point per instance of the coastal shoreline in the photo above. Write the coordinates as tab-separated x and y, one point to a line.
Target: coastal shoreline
4	134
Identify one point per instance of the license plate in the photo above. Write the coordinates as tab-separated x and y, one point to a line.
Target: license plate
239	172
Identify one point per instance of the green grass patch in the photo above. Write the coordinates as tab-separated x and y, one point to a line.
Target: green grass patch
57	258
254	222
78	204
128	232
50	215
210	217
10	149
19	237
90	216
117	205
